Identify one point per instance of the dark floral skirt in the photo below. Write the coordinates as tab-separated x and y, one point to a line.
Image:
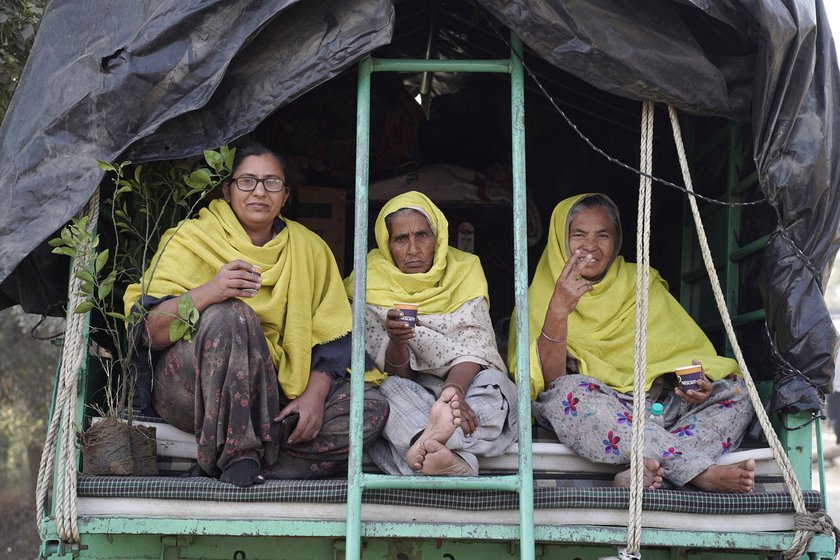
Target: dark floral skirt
222	387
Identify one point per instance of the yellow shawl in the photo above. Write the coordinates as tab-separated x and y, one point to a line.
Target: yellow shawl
300	304
602	326
455	277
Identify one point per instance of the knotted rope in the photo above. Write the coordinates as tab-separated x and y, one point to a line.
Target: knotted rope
806	523
63	422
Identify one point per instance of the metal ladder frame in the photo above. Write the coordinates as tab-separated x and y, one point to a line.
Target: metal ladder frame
358	481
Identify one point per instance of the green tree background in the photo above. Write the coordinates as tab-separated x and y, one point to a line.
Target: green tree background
18	23
27	363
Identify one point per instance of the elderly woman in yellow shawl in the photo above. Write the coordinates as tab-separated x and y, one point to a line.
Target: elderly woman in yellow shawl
262	383
582	321
450	397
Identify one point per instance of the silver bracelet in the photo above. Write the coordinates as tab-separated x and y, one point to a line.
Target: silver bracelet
548	338
405	363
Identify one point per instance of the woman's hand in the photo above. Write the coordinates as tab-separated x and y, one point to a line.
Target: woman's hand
311	417
398	331
309	405
234	279
704	389
469	421
570	285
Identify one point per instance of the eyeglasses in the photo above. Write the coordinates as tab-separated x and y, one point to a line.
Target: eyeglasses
248	184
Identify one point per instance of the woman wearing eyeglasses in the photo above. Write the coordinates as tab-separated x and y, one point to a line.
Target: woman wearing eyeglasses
263	381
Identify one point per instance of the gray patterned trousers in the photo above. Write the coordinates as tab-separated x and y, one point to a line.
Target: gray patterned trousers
491	395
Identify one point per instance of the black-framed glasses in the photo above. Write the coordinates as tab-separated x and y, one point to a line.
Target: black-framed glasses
247	184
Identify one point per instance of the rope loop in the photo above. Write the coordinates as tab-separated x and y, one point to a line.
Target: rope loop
59	456
807	525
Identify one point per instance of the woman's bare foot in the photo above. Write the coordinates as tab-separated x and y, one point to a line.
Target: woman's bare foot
439	460
443	421
737	479
652	478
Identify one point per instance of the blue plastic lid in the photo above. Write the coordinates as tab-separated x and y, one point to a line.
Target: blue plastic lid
656	409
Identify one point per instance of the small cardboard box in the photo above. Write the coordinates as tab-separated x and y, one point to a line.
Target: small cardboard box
324	211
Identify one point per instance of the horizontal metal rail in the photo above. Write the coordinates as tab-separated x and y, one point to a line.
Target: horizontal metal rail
412	65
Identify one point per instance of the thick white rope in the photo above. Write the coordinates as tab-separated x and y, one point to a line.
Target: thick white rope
634	523
802	517
63	422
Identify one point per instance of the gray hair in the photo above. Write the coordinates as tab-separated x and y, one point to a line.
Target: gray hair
389	219
599	201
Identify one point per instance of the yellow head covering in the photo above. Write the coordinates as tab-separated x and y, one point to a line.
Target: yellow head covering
455	277
602	326
300	303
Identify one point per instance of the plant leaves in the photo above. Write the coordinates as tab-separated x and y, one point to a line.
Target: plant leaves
116	315
83	307
198	179
186	306
84	274
105	166
214	160
107	285
228	154
101	260
67	251
176	330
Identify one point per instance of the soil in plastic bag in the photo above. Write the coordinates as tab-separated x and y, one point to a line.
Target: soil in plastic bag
144	450
111	447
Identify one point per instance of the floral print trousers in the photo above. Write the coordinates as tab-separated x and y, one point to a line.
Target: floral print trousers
222	387
595	422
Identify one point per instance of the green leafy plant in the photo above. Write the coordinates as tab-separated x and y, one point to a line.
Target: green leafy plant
183	326
146	200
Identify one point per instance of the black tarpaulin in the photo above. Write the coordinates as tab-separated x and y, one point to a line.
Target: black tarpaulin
164	81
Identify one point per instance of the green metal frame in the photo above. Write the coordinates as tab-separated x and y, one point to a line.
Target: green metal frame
168	538
359	481
693	273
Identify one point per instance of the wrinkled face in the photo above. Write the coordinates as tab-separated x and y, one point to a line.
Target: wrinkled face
411	242
257	209
592	232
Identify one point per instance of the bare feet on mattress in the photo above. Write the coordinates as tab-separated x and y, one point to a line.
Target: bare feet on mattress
652	478
439	460
444	419
737	479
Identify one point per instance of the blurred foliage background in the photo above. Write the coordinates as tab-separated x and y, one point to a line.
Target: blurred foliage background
27	364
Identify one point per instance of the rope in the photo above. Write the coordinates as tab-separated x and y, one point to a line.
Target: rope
63	422
634	524
813	523
807	520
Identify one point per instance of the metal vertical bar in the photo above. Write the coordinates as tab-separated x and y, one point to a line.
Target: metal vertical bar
821	463
520	283
355	477
731	270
